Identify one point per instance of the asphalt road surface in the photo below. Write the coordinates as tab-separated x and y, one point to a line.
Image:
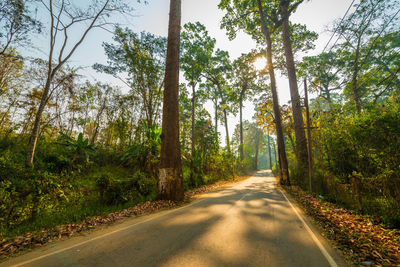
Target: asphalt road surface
249	224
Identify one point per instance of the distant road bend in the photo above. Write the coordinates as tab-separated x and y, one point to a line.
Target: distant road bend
249	224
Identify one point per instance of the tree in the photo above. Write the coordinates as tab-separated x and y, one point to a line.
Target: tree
322	70
217	72
64	16
358	52
254	142
197	47
245	84
138	60
12	82
251	17
61	88
16	24
170	180
287	7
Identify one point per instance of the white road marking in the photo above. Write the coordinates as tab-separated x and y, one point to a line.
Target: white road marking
316	240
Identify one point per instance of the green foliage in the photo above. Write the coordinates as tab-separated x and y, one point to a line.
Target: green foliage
16	22
360	160
30	194
142	58
367	143
144	156
78	149
137	186
197	48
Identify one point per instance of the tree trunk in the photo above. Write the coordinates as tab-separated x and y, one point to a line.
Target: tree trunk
284	171
225	120
228	145
355	74
216	115
193	117
97	122
192	144
310	159
170	182
7	112
241	128
35	130
301	141
269	152
257	150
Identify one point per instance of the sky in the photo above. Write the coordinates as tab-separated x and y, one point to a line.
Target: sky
153	17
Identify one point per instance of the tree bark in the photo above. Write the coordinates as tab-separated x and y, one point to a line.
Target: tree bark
284	171
301	141
241	127
310	158
170	182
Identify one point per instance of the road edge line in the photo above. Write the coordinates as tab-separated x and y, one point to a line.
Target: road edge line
324	252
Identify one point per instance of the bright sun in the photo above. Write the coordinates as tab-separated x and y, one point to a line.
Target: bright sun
260	63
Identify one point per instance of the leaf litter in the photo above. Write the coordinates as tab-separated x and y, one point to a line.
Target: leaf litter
361	240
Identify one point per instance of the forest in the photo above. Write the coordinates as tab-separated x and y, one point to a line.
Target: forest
72	147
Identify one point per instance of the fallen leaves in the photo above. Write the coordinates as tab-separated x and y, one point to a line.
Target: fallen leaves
357	236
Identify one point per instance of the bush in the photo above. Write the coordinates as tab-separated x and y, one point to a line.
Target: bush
25	197
115	191
359	160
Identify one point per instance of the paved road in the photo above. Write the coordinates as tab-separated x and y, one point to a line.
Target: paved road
249	224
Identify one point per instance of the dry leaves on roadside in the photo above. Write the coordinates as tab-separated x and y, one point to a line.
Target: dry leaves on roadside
360	239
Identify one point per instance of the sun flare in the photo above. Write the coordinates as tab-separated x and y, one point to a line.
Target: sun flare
260	63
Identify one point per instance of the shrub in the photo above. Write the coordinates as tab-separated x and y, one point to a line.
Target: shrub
118	191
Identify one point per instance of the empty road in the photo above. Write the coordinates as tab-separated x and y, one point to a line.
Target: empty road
248	224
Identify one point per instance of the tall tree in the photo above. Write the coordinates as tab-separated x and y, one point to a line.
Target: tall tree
245	84
218	72
12	81
63	17
170	180
360	33
197	47
287	7
138	60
